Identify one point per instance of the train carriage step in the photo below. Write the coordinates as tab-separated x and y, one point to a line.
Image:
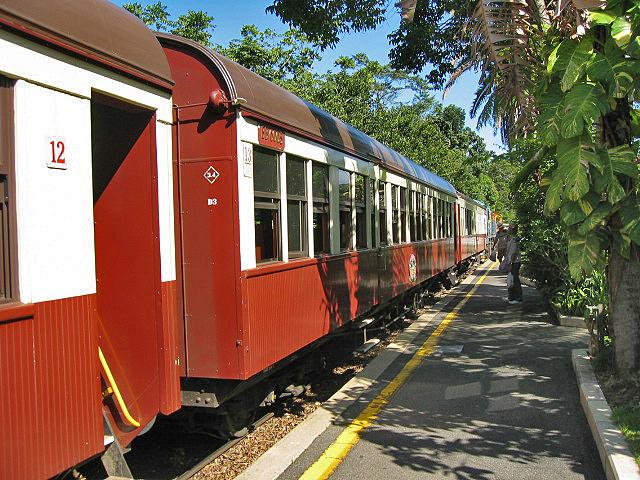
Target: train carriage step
368	345
365	323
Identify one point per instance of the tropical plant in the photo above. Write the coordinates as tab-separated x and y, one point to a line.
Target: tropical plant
575	297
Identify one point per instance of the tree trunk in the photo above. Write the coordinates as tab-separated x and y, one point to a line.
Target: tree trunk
624	309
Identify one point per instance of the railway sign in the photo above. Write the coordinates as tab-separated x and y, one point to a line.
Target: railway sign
211	175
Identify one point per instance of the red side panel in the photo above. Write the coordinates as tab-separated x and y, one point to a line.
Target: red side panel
49	389
211	322
432	257
207	235
288	306
458	234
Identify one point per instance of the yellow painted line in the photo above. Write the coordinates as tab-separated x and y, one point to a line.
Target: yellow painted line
338	450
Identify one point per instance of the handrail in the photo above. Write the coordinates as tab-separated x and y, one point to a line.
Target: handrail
116	391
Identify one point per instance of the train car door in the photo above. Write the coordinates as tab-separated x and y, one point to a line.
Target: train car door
127	256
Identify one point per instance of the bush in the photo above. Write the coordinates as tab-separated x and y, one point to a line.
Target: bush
575	297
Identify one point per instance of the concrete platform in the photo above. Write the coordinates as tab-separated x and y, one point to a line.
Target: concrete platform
493	397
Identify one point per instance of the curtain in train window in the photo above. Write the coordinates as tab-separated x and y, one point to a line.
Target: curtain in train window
382	213
360	204
266	187
297	206
344	191
320	192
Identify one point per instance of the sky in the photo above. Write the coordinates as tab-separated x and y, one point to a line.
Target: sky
231	15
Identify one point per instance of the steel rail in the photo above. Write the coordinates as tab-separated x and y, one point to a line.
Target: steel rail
215	454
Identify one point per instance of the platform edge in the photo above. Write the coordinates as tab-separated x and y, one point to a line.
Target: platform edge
617	461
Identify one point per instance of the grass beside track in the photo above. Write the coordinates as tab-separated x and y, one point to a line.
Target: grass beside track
628	419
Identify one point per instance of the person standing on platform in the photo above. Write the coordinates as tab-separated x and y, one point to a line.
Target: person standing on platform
511	264
501	240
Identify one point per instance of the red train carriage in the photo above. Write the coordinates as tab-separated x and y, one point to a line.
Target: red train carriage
472	222
292	223
285	224
87	297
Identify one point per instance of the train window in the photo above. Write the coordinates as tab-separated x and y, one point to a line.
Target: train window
403	214
266	204
447	219
395	215
7	273
372	201
423	216
451	219
360	204
382	213
440	218
426	225
344	189
412	215
297	205
320	187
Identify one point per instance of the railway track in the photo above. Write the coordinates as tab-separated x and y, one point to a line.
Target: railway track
219	451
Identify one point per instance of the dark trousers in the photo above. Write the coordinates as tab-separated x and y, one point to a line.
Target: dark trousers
515	292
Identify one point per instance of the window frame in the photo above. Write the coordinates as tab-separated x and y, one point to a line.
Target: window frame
382	213
347	207
322	206
360	209
301	200
9	288
270	201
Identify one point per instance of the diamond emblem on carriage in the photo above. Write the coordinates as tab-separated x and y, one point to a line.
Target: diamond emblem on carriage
211	174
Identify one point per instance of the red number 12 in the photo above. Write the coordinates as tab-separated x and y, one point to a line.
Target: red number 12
60	146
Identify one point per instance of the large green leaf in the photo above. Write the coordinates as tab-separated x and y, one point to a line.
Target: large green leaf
621	31
615	161
551	109
585	103
602	17
583	253
611	70
572	58
597	216
571	213
630	218
553	199
574	156
623	161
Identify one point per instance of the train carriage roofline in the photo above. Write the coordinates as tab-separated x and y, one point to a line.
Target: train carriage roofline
97	31
466	197
260	97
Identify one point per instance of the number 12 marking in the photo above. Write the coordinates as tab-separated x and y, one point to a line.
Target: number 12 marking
57	159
